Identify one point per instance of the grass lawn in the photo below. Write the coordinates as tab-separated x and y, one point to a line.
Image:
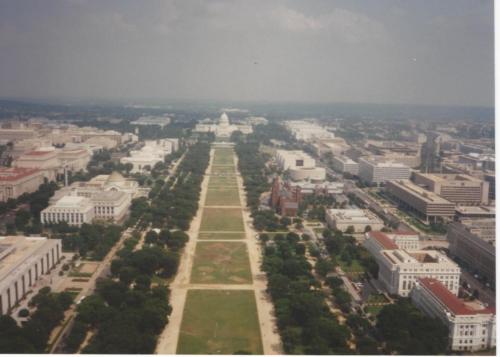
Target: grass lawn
77	274
223	157
222	181
218	170
222	219
221	263
354	268
80	280
73	292
208	236
223	197
373	309
220	322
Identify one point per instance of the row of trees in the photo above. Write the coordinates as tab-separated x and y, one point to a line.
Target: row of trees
177	203
305	322
252	165
33	336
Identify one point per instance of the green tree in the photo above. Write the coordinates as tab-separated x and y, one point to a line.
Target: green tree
177	240
23	218
408	331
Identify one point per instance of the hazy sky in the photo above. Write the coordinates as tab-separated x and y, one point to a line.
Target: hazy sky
384	51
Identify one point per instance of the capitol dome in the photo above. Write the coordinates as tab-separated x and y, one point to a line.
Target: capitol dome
224	119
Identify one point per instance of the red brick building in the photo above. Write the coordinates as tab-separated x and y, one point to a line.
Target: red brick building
285	199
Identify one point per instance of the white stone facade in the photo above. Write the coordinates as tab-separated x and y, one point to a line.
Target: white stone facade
111	205
153	152
223	128
471	326
23	260
74	210
377	172
307	130
300	165
400	269
359	219
344	164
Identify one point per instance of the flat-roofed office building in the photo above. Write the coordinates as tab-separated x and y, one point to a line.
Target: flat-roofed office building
471	325
399	269
16	134
473	212
74	210
473	242
372	171
15	181
358	219
425	204
23	260
45	160
345	164
377	241
490	178
458	188
301	166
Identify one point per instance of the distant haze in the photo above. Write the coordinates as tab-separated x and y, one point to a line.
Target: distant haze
386	51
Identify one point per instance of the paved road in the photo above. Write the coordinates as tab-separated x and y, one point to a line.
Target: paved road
486	295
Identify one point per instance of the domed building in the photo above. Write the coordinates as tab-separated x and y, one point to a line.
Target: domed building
224	120
223	128
105	197
102	183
